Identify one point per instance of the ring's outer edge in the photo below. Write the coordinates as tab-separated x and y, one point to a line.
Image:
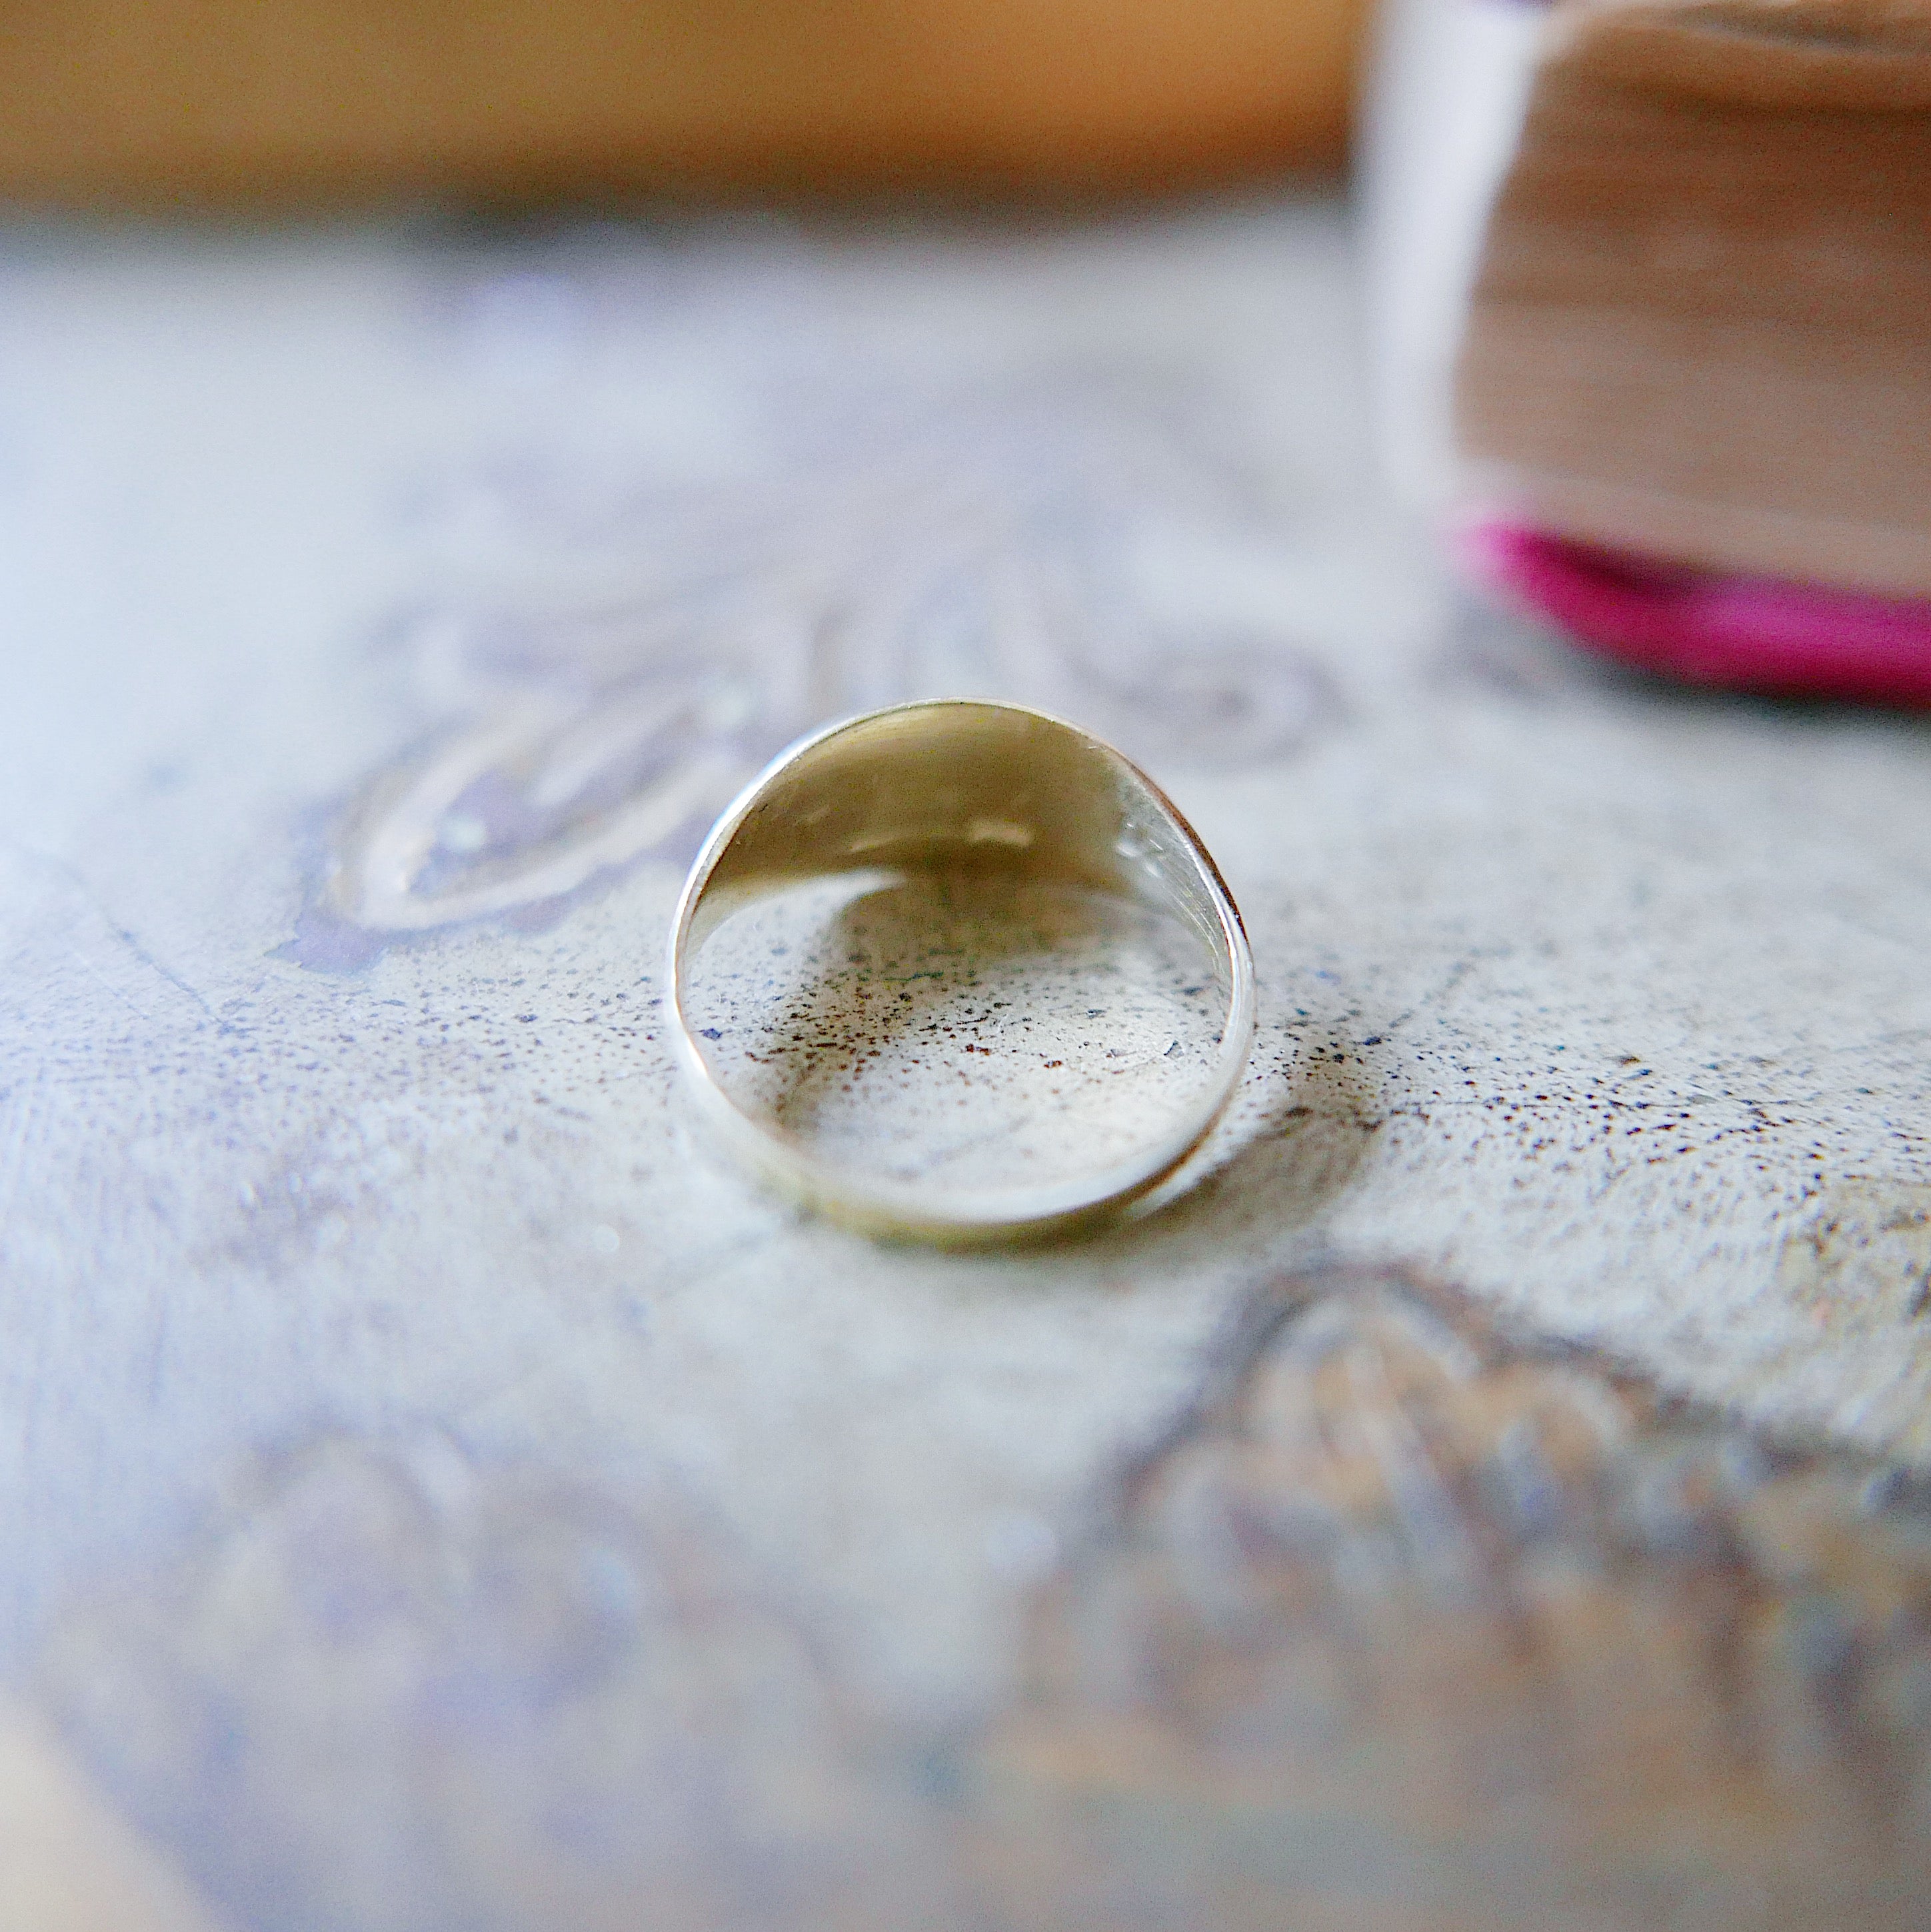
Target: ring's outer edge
889	1213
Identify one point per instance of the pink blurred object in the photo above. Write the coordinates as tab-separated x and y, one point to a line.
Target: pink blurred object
1761	633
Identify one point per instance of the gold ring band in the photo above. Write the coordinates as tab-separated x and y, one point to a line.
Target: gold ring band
1017	801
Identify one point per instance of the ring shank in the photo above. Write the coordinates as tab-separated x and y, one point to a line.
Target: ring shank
962	787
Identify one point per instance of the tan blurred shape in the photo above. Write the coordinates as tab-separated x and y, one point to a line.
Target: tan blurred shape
116	102
69	1863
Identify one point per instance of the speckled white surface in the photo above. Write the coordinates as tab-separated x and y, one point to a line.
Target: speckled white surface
385	611
964	1032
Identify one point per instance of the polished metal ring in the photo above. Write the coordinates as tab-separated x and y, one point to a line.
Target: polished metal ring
1018	802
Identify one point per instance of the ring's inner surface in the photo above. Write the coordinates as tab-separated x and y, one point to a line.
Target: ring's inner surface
961	948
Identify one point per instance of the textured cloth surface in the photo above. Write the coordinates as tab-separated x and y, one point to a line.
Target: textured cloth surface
390	609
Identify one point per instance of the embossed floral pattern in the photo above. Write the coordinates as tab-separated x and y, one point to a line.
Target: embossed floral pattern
622	650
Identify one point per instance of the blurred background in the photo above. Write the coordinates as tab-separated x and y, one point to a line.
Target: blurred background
110	104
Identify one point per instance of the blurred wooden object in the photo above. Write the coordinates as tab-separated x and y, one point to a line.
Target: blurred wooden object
106	103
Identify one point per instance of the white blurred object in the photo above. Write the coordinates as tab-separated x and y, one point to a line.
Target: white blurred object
1442	115
69	1863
